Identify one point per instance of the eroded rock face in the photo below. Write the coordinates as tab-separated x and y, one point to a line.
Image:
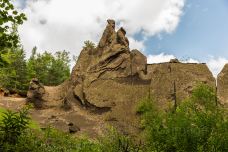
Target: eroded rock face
112	79
110	60
35	93
108	34
222	86
181	76
138	63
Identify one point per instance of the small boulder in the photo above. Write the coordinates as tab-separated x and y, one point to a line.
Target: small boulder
73	128
35	93
174	61
6	92
70	124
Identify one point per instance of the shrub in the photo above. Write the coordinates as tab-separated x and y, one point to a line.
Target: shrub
17	136
113	141
196	125
89	45
13	125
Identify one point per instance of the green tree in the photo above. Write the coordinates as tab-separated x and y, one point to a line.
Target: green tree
9	19
49	69
59	70
13	76
196	125
13	125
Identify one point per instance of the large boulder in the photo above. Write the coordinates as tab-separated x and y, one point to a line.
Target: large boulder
222	86
35	93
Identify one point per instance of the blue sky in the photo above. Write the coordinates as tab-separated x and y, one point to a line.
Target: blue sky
203	31
186	29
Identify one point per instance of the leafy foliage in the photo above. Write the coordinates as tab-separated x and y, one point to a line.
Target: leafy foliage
49	69
9	20
13	125
89	45
196	125
13	76
55	141
113	141
17	137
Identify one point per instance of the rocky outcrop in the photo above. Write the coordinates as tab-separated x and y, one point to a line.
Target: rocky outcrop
175	81
113	79
110	60
109	80
138	63
222	86
174	61
35	93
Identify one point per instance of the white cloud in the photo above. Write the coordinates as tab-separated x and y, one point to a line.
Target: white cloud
159	58
162	57
135	44
56	24
216	64
190	60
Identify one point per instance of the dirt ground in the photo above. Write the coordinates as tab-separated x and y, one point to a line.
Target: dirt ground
90	125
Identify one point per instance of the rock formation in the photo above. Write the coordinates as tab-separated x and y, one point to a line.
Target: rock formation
113	79
222	86
174	61
110	80
112	60
175	80
35	93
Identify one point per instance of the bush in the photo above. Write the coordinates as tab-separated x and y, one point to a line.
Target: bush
116	142
89	45
17	136
13	125
196	125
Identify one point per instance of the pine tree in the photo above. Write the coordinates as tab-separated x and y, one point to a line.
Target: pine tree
48	68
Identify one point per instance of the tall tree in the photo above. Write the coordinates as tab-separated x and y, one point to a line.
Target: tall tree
49	69
9	19
13	76
13	72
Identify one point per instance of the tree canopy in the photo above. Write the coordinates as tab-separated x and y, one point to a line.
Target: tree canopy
10	18
49	69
